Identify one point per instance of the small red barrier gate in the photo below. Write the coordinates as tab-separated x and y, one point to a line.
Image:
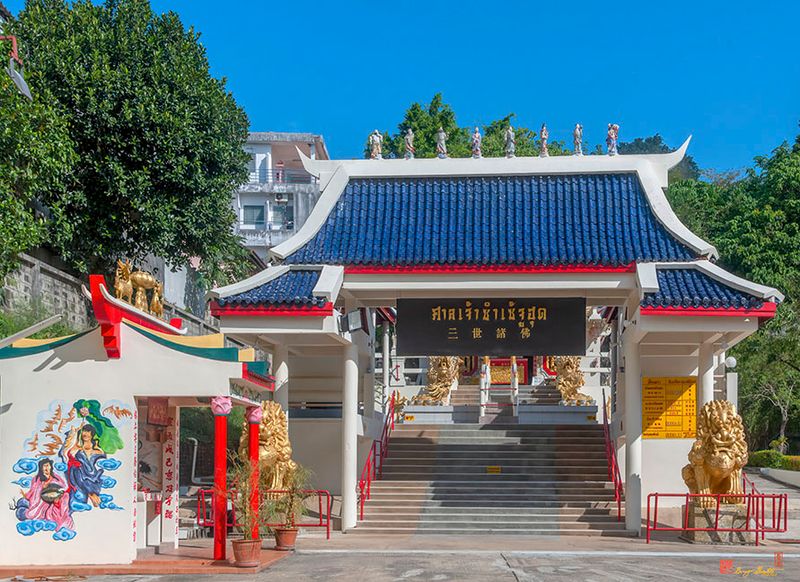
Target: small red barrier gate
755	517
205	501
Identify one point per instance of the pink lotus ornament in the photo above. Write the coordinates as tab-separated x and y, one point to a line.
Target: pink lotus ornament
221	405
254	414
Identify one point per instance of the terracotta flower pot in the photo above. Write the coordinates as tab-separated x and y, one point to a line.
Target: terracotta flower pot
246	553
285	538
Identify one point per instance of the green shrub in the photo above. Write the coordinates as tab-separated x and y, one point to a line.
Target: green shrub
769	458
791	462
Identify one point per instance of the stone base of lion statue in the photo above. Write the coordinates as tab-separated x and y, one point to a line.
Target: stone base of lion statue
730	517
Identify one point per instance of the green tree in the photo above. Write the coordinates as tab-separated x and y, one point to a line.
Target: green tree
35	160
158	139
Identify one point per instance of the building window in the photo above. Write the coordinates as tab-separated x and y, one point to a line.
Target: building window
282	217
253	216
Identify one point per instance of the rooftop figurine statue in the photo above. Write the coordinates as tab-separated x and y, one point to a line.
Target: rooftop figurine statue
510	142
577	140
441	143
476	143
611	138
544	135
409	143
376	145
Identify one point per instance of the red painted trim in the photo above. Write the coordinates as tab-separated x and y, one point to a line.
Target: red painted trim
220	498
282	311
766	311
267	382
252	452
438	269
109	317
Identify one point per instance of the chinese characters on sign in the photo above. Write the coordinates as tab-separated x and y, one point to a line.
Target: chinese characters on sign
494	327
669	408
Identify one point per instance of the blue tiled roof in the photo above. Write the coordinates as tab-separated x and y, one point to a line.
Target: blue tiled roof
693	288
602	219
292	288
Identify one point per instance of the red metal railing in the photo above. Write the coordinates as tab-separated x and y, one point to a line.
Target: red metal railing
373	466
205	518
611	459
755	518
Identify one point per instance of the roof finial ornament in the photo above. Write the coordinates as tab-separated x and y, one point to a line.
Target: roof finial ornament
409	142
476	144
511	142
577	140
376	145
544	135
611	138
441	143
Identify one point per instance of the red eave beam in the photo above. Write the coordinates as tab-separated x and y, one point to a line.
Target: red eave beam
282	311
766	311
438	269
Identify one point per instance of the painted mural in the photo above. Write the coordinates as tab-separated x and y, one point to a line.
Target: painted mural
67	466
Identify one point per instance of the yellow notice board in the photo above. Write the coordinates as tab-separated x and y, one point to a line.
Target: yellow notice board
669	407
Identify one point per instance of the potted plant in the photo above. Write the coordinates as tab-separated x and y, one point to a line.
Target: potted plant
290	507
242	481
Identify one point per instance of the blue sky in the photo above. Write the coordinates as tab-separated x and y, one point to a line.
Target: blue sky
726	72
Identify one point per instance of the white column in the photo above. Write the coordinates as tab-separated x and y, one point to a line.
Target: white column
633	435
349	437
312	148
387	391
268	163
705	375
280	365
732	382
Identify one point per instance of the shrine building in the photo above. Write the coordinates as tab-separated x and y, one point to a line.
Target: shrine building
447	257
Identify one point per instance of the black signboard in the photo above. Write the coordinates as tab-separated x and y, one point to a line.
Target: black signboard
491	327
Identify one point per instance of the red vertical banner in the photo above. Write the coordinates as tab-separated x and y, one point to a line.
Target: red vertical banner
221	408
169	472
254	414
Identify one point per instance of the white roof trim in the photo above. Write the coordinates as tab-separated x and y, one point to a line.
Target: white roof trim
329	283
723	276
646	278
650	168
264	276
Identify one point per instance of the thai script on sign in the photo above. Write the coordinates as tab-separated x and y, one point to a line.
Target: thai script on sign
487	312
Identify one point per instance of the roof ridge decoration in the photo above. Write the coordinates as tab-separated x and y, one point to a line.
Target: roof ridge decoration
651	170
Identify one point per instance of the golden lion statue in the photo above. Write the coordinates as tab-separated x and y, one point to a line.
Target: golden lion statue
569	379
443	371
718	455
274	448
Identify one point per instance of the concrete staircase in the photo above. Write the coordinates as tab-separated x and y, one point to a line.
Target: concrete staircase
439	479
545	393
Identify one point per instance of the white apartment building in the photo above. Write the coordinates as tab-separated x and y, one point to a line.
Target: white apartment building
279	194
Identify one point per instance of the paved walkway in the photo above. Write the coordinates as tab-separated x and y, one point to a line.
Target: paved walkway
767	485
502	567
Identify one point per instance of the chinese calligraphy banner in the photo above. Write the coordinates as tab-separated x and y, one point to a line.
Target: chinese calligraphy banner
491	327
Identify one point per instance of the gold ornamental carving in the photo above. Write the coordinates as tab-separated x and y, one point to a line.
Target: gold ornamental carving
443	372
717	456
274	448
132	286
569	379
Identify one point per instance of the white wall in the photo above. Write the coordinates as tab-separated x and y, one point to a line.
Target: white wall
34	386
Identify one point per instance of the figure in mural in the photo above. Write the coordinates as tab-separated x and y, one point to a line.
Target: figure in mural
441	143
376	145
66	464
577	140
611	138
544	135
409	142
511	142
47	499
476	143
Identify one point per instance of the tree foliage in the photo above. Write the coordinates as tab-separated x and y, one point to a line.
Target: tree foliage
35	160
158	139
754	221
686	170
